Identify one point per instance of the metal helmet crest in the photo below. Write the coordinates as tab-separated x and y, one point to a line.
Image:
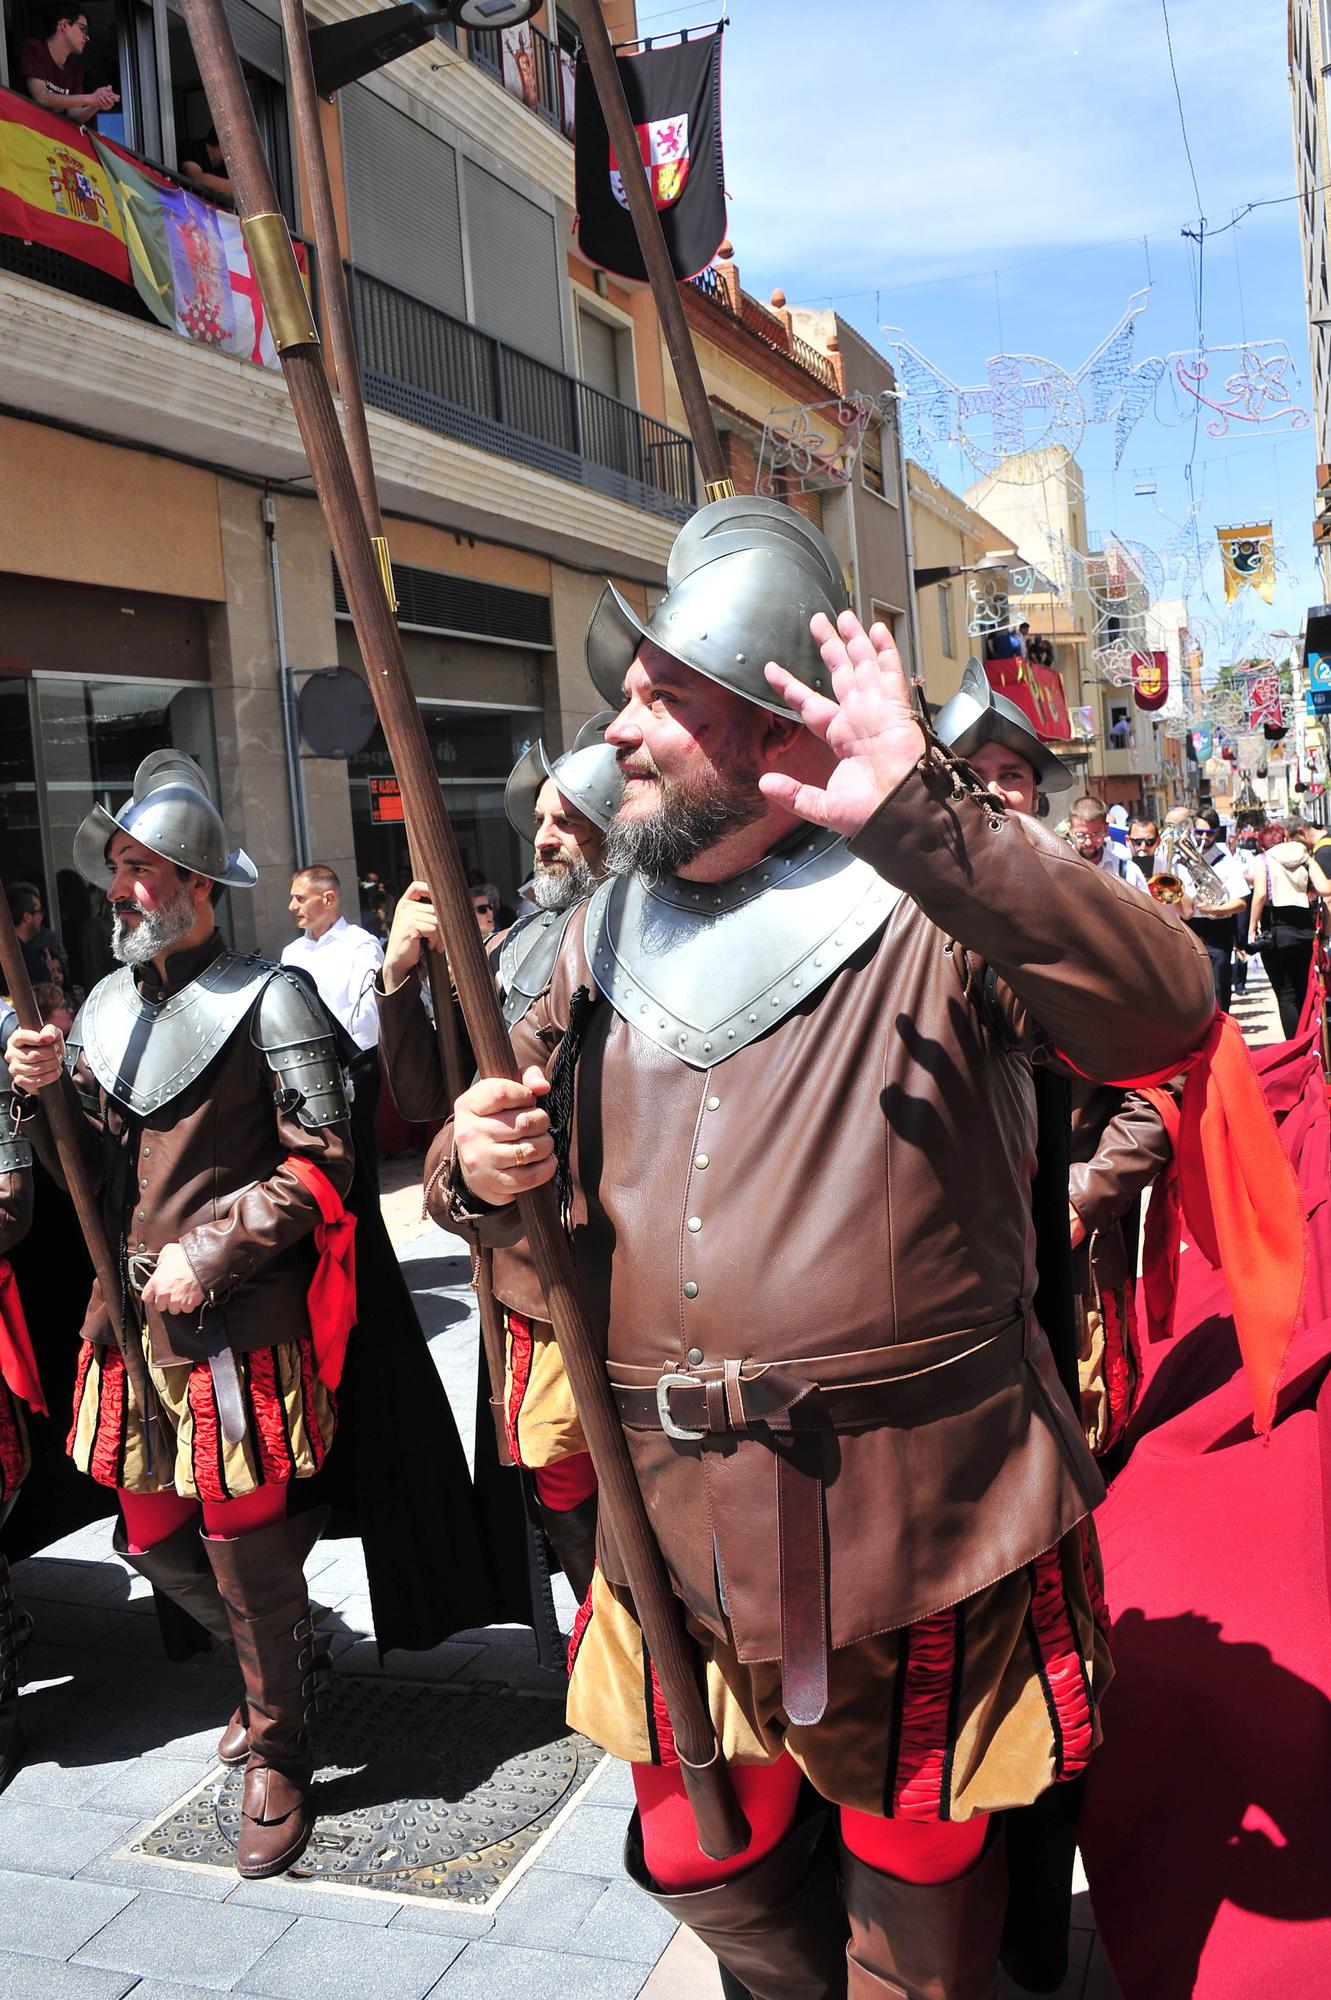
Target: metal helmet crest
977	715
744	578
587	776
171	812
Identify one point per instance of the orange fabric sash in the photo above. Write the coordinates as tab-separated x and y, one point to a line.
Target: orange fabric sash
18	1363
332	1294
1241	1203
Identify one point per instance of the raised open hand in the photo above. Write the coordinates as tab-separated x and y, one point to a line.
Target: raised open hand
870	725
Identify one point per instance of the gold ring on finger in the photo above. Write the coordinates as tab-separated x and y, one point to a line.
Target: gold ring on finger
522	1150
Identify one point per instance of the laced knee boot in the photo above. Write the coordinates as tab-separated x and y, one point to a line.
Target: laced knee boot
262	1583
179	1568
924	1940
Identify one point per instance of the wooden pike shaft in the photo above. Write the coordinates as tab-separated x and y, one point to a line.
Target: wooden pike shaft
722	1829
64	1119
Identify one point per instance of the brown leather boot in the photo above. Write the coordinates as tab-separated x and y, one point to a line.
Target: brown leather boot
15	1631
778	1928
179	1568
925	1941
571	1533
262	1582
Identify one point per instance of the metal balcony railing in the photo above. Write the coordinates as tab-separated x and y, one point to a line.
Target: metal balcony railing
431	369
531	68
765	326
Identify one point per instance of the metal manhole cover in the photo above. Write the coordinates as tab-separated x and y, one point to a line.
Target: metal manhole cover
422	1789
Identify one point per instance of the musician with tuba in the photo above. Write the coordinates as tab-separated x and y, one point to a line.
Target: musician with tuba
1198	875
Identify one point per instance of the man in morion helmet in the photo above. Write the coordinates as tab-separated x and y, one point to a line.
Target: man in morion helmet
217	1133
799	1158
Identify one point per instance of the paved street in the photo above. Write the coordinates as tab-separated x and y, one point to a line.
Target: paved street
117	1736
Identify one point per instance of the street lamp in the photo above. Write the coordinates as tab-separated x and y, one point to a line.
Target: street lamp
345	50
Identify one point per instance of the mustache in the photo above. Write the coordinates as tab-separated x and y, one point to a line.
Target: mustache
126	906
636	764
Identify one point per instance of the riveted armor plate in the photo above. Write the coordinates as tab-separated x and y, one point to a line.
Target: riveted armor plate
527	959
703	969
145	1052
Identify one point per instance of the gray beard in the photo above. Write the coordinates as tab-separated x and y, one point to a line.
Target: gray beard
685	824
559	888
155	933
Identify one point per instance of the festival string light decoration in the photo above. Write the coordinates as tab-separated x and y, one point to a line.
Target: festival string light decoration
816	446
1257	389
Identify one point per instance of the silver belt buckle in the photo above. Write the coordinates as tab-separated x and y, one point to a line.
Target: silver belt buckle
664	1384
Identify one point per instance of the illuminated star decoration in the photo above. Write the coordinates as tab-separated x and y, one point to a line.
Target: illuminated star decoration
1258	391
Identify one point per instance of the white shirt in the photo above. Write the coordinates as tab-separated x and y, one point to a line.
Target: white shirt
1230	870
342	964
1115	862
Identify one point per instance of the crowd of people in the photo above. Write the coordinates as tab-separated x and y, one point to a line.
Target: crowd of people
851	1075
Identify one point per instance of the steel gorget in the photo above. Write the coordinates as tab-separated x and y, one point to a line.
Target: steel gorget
143	1052
527	958
703	969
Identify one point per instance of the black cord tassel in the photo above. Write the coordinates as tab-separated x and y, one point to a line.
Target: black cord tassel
559	1099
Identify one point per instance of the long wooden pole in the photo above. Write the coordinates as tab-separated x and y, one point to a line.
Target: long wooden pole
64	1121
356	431
722	1829
651	242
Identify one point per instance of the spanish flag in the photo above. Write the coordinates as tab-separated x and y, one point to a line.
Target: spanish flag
54	190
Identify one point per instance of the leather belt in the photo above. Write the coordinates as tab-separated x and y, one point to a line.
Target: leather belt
732	1397
776	1401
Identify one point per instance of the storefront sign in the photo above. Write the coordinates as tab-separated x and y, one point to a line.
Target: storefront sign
386	802
1318	700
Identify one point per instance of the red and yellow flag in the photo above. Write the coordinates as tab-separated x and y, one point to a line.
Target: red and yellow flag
53	189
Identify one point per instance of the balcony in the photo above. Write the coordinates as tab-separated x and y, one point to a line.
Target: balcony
422	365
764	325
530	67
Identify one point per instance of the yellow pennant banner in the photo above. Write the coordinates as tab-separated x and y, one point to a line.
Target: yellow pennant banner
1248	556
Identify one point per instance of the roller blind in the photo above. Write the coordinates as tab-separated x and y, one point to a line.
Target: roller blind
515	277
258	37
600	353
402	202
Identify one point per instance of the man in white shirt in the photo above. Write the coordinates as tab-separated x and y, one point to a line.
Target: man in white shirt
342	960
1088	832
1213	923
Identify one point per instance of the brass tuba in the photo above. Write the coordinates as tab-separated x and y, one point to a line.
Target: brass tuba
1185	871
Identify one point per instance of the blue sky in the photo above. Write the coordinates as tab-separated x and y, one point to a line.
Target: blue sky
889	156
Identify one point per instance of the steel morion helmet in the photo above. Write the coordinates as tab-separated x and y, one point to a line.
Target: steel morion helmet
172	813
976	715
745	576
587	776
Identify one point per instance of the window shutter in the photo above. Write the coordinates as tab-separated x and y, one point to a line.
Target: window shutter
515	277
258	40
402	202
600	353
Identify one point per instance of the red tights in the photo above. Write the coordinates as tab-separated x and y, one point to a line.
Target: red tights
913	1851
567	1483
151	1517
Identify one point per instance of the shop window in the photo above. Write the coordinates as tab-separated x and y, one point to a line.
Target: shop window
473	751
91	738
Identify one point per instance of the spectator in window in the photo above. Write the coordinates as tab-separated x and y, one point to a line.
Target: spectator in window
52	69
1121	734
208	169
29	917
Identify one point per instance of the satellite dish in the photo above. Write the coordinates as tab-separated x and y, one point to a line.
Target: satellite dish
336	710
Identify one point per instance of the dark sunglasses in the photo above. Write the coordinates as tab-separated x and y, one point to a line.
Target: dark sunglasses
483	906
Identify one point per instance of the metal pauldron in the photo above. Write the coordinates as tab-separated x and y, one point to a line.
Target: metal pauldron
295	1035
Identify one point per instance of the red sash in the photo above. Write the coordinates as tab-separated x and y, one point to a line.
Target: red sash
332	1294
1241	1202
18	1363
